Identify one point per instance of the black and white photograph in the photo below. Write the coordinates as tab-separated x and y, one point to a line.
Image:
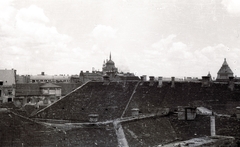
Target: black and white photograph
119	73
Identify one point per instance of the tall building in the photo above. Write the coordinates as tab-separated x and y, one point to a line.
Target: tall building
224	72
7	85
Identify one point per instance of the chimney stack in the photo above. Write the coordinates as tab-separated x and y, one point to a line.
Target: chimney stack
212	125
135	112
106	80
160	81
173	82
205	81
151	79
231	83
42	73
93	117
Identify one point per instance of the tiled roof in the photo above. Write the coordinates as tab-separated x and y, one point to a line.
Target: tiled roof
68	87
28	89
108	101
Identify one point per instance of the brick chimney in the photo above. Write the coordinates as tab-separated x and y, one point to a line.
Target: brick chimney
205	81
231	83
160	83
173	82
151	79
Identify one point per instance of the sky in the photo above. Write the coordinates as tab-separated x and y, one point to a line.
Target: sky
181	38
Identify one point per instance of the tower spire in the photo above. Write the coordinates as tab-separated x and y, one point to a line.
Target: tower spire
110	57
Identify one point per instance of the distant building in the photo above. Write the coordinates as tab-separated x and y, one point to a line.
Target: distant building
42	93
109	70
42	78
90	76
224	72
7	85
109	66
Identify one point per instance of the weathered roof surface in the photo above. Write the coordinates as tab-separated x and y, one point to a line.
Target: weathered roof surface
68	87
28	89
217	97
149	132
18	131
108	101
49	85
225	69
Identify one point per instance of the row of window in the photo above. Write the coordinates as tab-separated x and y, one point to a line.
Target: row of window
9	92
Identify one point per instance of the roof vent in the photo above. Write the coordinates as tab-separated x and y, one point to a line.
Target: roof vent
93	117
135	112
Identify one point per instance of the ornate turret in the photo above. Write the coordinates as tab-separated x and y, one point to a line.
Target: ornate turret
224	72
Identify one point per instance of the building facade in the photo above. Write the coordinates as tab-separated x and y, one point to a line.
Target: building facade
7	85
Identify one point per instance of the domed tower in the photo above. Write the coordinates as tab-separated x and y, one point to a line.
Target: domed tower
224	72
109	66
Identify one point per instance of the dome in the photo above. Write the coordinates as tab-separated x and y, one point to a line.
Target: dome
110	62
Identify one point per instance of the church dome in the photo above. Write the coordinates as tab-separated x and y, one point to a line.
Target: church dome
110	62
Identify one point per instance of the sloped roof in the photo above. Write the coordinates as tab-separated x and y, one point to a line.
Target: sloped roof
108	101
68	87
225	69
28	89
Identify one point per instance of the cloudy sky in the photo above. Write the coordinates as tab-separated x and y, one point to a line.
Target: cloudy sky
151	37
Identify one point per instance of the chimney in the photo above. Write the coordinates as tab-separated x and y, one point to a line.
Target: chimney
135	112
212	125
231	83
160	81
142	78
151	79
238	112
173	82
93	117
42	73
106	80
205	81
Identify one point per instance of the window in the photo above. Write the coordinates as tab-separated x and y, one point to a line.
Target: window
0	93
9	92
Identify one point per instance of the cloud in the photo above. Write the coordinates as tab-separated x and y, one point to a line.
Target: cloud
232	6
164	43
170	57
27	38
102	32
